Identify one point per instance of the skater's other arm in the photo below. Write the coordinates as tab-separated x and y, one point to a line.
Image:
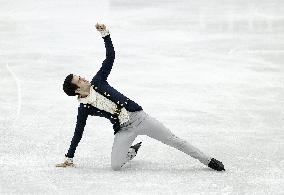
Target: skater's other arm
110	53
80	125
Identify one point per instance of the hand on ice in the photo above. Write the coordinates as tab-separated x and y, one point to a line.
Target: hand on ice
102	29
68	162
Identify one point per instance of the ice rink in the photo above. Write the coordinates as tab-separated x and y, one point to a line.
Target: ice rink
211	70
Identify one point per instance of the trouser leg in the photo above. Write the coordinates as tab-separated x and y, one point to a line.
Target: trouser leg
155	129
121	151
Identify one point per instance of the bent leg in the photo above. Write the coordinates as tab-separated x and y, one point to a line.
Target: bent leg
121	151
155	129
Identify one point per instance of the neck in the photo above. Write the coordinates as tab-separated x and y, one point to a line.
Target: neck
85	93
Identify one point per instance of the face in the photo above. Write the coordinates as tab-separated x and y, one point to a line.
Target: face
81	82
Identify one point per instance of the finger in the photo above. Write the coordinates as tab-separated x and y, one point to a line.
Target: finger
61	165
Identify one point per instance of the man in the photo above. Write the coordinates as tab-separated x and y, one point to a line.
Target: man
98	98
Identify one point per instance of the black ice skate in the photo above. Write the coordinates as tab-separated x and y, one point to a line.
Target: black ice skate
216	165
136	147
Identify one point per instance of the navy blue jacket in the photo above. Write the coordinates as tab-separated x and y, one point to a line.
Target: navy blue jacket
101	85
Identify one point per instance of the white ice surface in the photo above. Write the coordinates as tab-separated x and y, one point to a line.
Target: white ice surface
212	71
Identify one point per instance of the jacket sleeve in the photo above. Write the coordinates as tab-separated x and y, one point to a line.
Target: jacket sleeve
108	62
80	125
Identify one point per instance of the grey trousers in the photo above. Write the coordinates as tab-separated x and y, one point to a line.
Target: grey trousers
141	123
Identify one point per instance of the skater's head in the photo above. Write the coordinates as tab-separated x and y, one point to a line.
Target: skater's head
76	85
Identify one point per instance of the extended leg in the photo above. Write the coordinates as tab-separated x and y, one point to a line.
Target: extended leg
155	129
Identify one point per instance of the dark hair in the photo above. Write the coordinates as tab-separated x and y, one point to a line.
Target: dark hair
68	87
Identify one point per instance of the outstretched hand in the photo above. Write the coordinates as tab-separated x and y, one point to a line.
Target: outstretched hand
100	27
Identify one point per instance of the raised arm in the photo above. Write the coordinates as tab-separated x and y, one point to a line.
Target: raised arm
110	53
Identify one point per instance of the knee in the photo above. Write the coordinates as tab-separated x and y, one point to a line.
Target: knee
115	167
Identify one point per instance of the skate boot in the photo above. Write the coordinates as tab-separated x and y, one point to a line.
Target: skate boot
216	165
133	150
136	147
